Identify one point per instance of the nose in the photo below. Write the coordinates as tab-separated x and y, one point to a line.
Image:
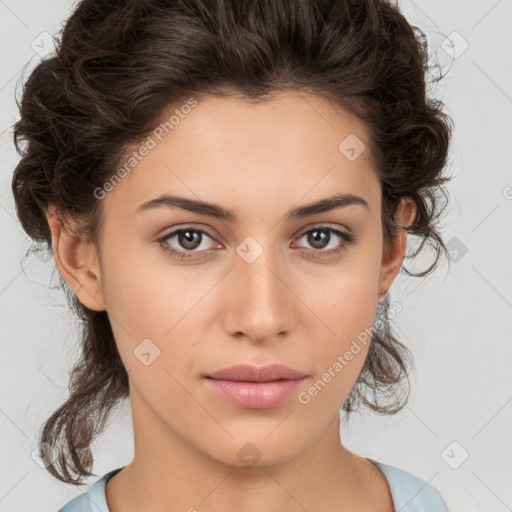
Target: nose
260	301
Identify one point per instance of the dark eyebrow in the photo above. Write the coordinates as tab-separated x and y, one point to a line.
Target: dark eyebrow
214	210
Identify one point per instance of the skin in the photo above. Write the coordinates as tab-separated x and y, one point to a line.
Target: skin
216	309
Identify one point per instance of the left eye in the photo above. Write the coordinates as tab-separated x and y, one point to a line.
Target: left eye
319	237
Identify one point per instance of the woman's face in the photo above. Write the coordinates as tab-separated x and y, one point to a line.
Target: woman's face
265	286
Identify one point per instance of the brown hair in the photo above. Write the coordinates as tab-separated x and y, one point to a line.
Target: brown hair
119	64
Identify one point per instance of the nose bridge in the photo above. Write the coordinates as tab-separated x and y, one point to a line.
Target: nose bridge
261	297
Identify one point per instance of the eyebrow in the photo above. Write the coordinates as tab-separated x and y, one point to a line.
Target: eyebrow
214	210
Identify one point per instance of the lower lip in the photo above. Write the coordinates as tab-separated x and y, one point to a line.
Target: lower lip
255	395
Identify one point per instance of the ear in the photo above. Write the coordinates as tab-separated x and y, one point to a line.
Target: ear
77	260
392	259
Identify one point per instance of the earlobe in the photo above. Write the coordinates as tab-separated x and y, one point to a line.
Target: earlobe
77	261
392	259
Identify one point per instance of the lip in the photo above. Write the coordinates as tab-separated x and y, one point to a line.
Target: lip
250	373
255	387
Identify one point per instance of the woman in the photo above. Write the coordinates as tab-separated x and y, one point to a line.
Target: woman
228	189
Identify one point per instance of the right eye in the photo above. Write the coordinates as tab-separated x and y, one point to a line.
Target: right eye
188	238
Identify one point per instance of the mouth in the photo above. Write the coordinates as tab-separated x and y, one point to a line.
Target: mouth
250	373
251	387
255	395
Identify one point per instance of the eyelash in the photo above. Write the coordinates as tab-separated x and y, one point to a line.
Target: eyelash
346	237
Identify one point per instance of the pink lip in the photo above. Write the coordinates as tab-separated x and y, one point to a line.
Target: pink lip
255	388
249	373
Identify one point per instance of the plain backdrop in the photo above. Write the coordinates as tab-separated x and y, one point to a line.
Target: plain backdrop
455	431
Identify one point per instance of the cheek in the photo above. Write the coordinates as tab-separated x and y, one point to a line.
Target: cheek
346	305
131	289
347	294
339	356
152	306
135	290
349	313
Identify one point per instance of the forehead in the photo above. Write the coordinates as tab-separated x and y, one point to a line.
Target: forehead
235	151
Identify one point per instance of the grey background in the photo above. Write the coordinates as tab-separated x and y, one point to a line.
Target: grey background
456	322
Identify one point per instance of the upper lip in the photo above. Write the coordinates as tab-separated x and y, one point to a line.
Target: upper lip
250	373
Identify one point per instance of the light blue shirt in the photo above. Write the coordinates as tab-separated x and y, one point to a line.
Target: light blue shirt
409	493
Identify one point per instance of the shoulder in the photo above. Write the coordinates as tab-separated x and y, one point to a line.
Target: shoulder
93	500
411	493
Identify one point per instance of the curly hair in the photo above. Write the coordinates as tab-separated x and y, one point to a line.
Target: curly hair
119	64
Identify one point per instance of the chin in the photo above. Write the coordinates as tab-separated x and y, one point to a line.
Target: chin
256	451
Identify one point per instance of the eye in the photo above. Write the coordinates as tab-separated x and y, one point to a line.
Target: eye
187	238
320	238
190	240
